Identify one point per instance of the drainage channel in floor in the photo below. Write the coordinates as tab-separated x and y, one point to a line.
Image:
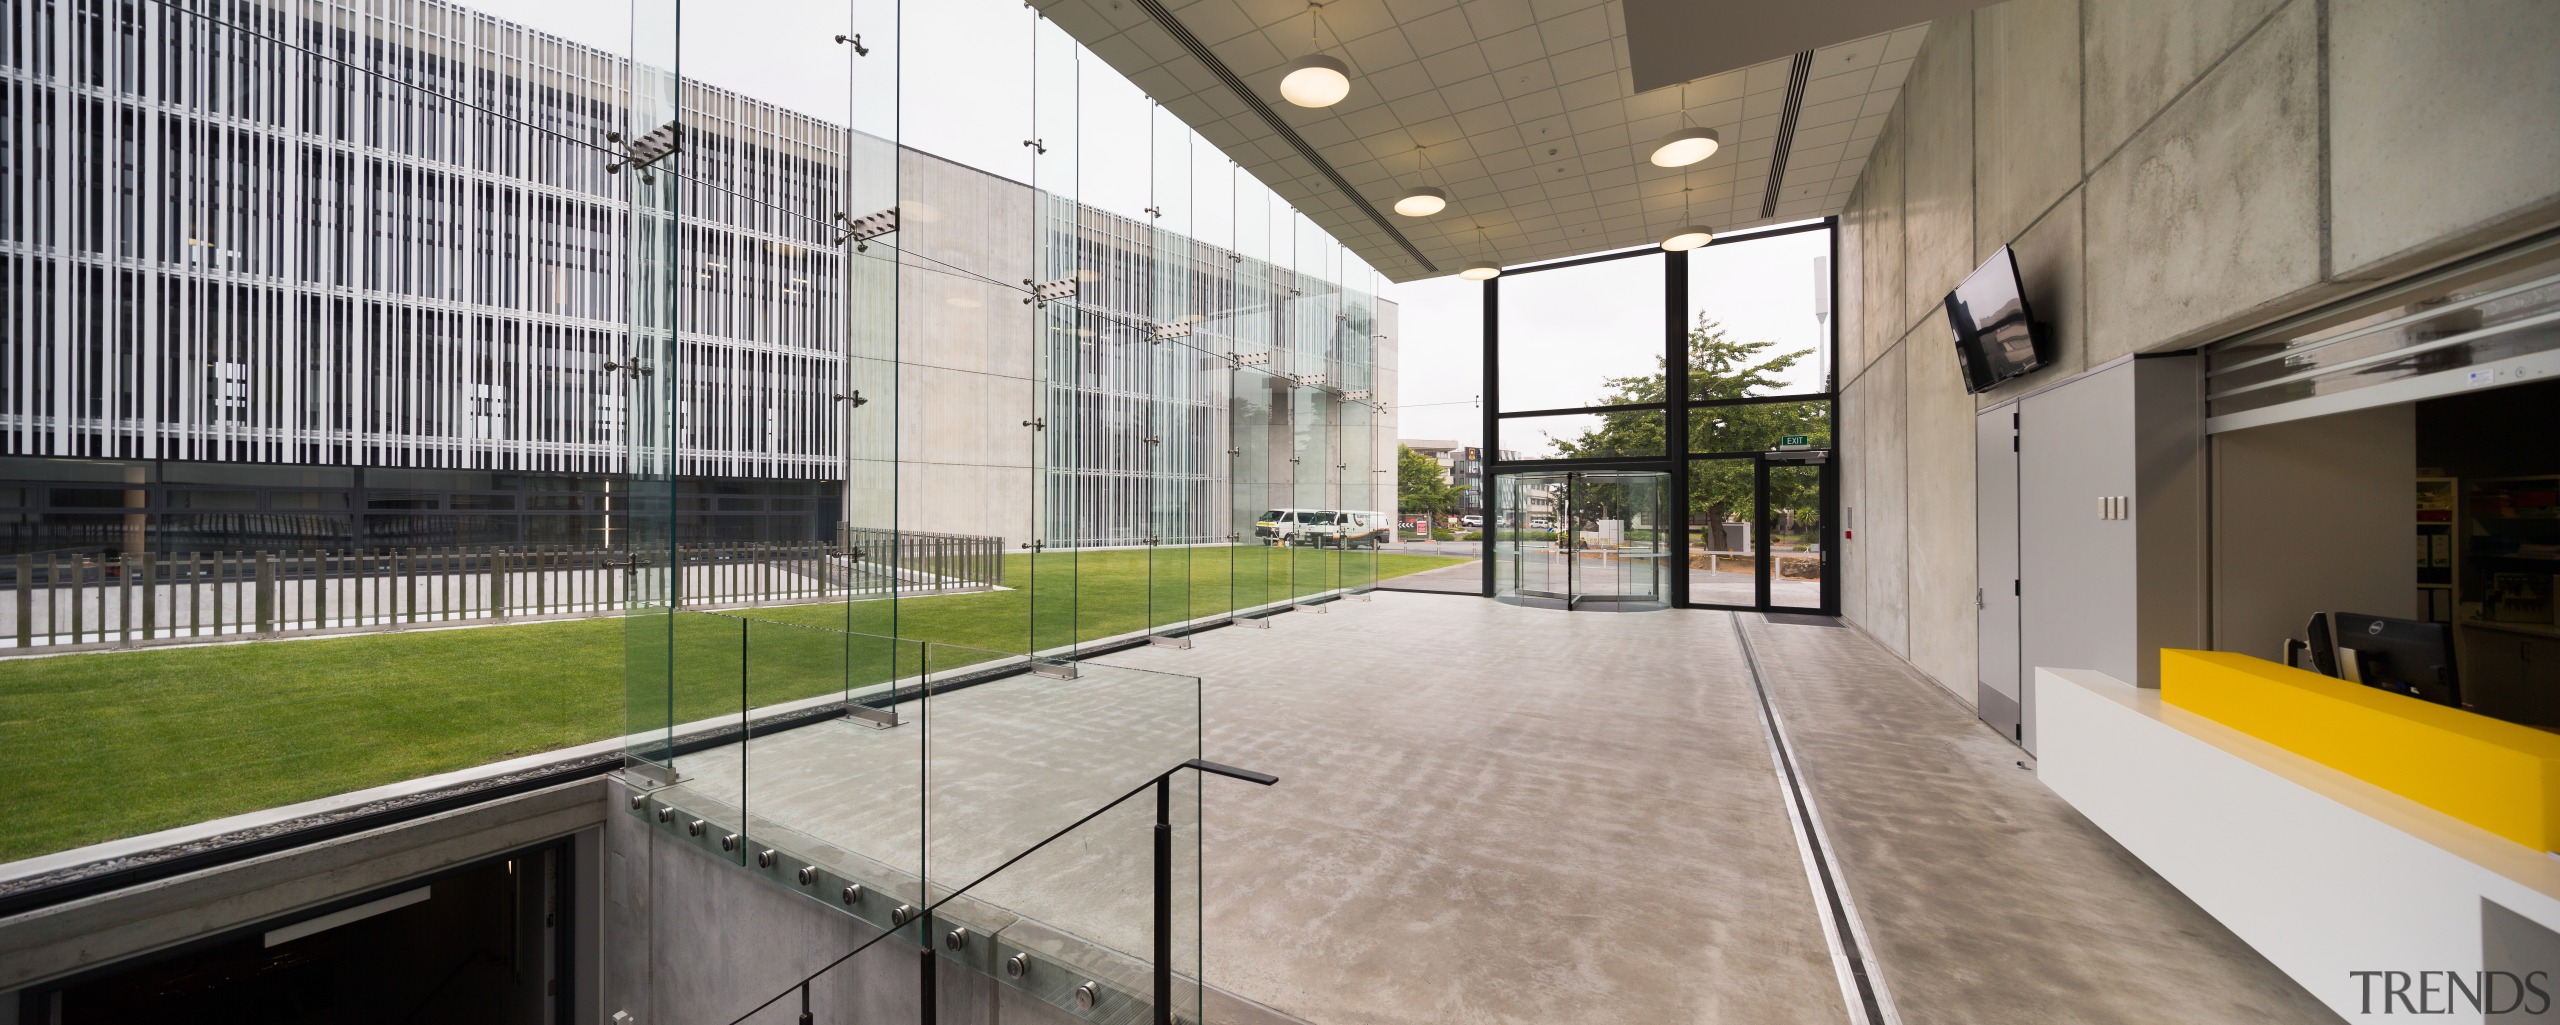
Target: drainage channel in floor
1852	955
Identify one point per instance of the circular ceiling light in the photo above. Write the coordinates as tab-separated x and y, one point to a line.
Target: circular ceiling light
1422	201
1688	238
1315	80
1686	146
1481	270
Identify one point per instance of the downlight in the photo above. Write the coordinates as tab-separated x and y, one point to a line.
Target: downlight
1689	238
1686	146
1422	201
1481	270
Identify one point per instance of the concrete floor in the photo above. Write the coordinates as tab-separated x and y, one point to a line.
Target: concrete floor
1490	813
1496	814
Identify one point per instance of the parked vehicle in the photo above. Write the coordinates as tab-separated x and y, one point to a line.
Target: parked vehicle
1323	527
1471	520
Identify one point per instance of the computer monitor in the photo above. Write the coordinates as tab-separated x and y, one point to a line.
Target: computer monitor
2324	652
2403	656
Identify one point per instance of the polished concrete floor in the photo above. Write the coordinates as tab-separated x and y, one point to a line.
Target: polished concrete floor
1497	814
1490	813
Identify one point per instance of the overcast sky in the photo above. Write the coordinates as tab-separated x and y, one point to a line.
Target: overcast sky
967	91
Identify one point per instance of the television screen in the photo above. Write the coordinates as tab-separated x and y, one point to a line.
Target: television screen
1996	336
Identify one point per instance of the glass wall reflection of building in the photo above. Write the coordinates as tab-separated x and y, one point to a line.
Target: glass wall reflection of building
371	296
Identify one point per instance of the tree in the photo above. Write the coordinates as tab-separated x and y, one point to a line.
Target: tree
1720	367
1421	485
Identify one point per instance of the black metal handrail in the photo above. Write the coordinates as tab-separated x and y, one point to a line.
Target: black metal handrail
1163	924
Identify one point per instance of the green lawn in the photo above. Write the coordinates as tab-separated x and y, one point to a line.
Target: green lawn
110	744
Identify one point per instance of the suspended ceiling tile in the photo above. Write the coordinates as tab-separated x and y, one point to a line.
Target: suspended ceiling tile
1490	87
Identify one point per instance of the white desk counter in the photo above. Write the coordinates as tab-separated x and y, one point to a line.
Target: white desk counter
2323	873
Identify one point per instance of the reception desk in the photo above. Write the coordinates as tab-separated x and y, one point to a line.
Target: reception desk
2314	850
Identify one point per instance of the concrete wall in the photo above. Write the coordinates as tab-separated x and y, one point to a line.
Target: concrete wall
2168	173
691	938
965	380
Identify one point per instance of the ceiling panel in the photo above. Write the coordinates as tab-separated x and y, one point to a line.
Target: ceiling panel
1526	112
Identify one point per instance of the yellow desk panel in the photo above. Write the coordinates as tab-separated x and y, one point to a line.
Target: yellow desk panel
2493	774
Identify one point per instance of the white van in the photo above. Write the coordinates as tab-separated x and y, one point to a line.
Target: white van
1335	528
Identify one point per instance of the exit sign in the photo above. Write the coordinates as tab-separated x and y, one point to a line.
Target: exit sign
1796	441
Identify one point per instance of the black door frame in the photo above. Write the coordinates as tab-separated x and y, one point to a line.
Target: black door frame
1676	407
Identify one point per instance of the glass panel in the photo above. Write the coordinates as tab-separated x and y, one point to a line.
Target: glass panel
1262	487
1079	913
1527	534
648	376
1723	545
1259	411
1308	526
1570	336
1625	433
1366	522
866	397
1617	534
1116	399
1174	433
711	703
831	777
1210	348
1758	426
1798	562
1759	317
1017	756
1061	332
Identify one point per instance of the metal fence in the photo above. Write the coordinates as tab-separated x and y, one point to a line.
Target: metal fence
61	600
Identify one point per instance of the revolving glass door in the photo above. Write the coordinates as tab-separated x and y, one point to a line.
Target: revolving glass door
1589	540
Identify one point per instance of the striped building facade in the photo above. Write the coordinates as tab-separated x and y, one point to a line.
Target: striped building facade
264	251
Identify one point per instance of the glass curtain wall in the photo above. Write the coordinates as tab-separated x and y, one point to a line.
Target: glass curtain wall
726	371
647	374
1712	367
1173	379
1061	340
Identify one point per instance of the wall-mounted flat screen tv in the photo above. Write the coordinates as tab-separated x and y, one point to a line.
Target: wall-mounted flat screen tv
1997	338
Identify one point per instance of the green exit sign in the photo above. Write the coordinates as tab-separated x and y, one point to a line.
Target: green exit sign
1796	441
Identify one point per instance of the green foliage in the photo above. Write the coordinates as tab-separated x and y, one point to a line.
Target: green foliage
1720	367
1421	485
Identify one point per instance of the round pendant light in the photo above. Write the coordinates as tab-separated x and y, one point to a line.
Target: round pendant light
1422	201
1316	80
1481	270
1688	238
1686	146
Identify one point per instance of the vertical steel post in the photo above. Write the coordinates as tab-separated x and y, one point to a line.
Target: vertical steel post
1164	901
266	596
924	976
150	595
26	601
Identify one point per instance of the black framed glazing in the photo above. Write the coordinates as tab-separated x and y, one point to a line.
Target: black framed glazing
1676	408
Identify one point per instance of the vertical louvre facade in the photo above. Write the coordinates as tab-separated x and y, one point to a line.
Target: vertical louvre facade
349	234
